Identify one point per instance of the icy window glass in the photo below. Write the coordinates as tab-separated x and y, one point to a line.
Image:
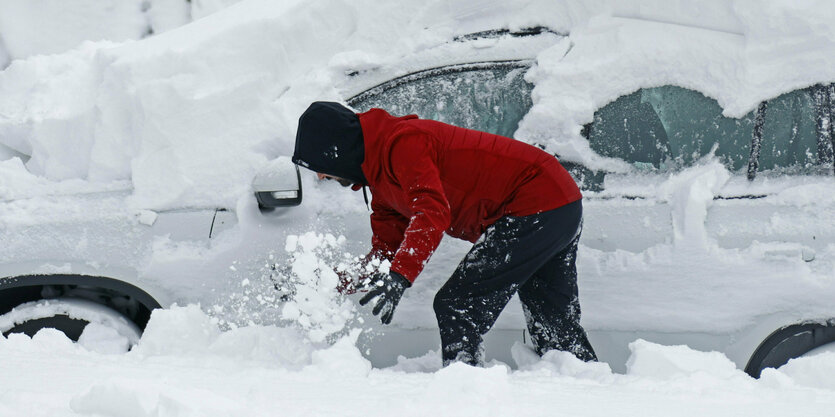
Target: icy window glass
492	99
669	126
790	137
629	129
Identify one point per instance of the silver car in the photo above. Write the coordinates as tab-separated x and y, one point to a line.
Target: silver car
713	232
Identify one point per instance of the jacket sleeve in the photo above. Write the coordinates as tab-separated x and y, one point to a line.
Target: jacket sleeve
413	165
387	227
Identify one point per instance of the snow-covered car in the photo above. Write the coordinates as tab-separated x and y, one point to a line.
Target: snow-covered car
700	229
697	207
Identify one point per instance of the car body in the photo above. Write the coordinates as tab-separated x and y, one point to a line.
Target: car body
731	253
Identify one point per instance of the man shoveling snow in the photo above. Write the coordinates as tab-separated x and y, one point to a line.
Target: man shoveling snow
515	202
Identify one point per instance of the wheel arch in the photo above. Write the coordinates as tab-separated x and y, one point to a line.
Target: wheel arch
133	302
790	342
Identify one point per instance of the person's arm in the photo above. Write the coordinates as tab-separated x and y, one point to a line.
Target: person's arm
387	228
413	165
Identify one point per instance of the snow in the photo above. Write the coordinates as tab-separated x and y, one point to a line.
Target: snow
316	306
188	115
107	332
691	193
738	53
185	366
62	25
164	15
139	132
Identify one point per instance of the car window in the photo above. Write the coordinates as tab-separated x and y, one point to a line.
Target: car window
668	127
491	97
790	133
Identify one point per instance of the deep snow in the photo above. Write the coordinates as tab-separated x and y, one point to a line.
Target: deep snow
185	366
163	112
36	27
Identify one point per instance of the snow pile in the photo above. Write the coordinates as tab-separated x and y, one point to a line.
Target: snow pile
33	27
189	115
813	370
184	367
187	331
64	24
671	362
691	193
16	183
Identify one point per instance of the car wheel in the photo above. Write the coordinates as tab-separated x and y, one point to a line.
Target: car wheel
791	342
93	325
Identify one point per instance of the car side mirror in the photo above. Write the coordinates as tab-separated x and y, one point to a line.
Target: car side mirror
278	184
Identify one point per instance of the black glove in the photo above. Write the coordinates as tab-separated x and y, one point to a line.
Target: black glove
388	289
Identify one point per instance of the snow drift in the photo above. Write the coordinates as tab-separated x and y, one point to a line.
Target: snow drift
185	366
188	115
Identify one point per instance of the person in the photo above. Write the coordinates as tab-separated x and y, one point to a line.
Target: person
515	202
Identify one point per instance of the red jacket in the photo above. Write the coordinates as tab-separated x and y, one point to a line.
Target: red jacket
428	177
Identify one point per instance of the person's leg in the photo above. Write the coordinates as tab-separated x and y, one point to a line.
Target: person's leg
505	257
552	309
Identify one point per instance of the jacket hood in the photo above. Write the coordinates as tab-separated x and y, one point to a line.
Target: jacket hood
329	140
378	129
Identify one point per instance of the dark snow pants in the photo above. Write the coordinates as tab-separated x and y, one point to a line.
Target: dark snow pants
534	255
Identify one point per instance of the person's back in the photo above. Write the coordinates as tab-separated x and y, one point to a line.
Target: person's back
484	176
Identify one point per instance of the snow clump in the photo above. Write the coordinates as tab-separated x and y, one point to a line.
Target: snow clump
310	285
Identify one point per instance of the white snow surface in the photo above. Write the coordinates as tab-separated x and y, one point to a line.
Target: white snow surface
184	365
37	27
32	27
189	115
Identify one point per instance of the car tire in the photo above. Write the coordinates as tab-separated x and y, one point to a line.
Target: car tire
790	342
70	316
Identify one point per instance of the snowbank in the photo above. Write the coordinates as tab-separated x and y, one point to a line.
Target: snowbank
189	115
64	24
34	27
185	366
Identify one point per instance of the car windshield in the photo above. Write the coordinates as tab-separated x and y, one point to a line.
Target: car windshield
492	97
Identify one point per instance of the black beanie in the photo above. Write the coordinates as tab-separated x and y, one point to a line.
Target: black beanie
329	141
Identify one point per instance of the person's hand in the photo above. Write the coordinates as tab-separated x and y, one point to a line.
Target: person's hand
387	289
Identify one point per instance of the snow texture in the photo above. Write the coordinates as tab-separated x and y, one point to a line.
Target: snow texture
41	27
186	366
33	27
188	114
